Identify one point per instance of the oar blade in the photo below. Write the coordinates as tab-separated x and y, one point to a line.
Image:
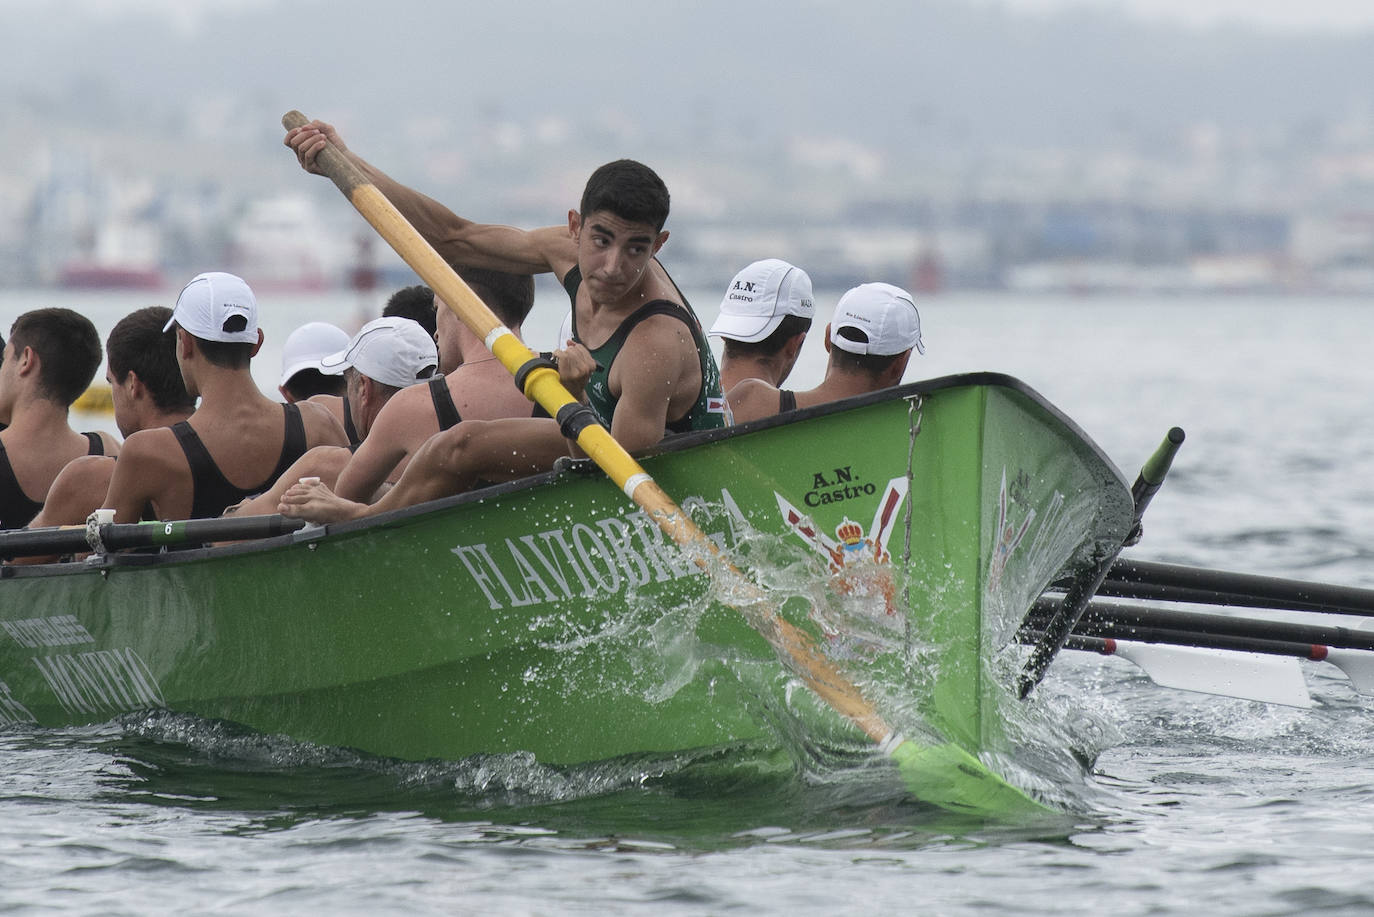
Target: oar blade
1358	666
1248	676
949	777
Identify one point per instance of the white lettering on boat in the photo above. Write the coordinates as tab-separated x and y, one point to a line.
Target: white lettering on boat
11	710
59	630
100	681
600	557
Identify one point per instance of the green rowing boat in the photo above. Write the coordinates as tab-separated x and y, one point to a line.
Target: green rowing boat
907	532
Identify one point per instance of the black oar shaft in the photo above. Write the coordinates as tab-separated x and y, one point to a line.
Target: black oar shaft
1103	632
1081	591
1125	622
1170	582
115	536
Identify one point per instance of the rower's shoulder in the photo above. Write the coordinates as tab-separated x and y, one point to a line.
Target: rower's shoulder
406	407
667	328
110	444
322	427
751	399
154	452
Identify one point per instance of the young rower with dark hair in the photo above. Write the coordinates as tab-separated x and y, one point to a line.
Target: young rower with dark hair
870	339
51	358
649	368
764	317
238	442
415	302
147	391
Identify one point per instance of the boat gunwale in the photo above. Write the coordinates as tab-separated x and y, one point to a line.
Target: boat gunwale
668	446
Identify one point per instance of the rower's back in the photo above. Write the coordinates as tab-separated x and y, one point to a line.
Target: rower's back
238	441
50	359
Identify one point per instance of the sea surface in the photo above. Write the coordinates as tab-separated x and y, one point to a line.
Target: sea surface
1188	803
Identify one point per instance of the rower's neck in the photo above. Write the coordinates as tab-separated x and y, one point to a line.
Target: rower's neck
36	417
770	369
473	350
227	391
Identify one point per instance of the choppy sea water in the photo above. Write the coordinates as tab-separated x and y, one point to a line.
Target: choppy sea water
1189	803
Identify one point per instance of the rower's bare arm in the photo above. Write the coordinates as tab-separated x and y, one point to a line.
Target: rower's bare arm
374	461
656	368
76	492
140	475
460	241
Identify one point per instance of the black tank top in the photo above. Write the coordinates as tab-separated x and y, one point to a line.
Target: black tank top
354	440
444	408
16	509
707	412
787	401
211	492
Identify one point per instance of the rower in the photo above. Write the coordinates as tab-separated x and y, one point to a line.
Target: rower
474	386
147	391
415	302
51	358
764	317
301	377
649	368
238	442
387	356
870	339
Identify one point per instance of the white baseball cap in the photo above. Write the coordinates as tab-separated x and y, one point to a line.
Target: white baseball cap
885	314
392	350
210	302
308	345
760	297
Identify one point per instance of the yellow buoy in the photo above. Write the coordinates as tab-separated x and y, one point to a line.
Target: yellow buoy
95	400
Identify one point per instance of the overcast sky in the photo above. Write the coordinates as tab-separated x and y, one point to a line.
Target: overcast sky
1276	14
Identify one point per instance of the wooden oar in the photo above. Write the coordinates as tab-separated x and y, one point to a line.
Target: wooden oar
1081	590
925	769
1138	579
73	539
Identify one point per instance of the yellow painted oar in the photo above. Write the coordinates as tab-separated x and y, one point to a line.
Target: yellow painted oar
945	775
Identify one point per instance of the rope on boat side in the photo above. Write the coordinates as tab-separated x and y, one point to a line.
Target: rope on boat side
915	403
93	523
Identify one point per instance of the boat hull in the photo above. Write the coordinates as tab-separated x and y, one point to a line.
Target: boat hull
906	532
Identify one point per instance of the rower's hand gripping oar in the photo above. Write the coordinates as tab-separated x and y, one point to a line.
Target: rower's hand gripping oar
1081	591
928	771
